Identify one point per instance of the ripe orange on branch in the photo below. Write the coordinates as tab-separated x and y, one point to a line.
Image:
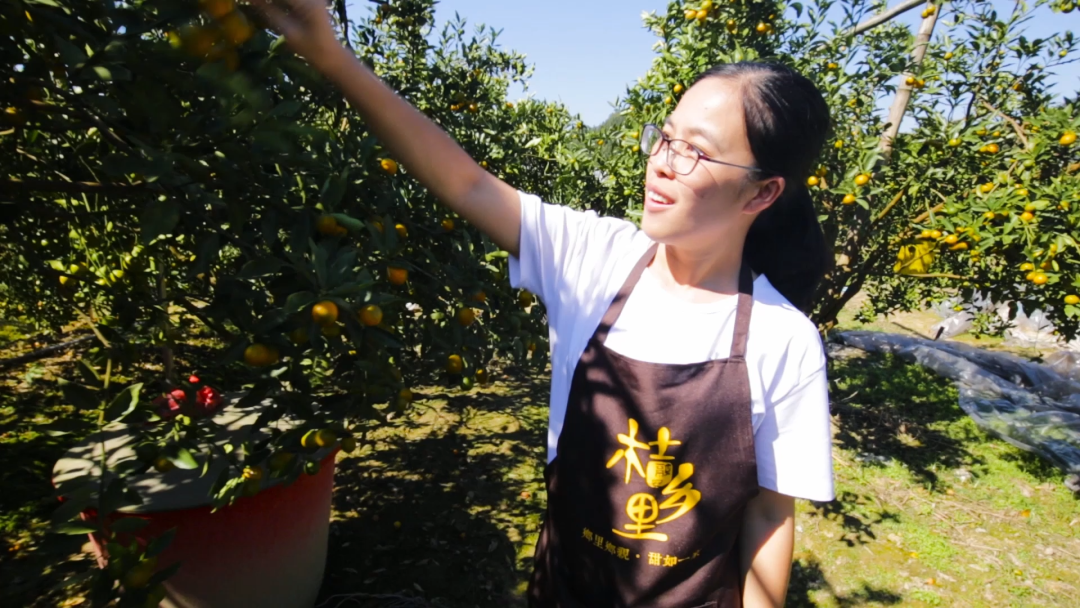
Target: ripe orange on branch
454	364
261	355
389	165
397	275
325	313
371	315
466	316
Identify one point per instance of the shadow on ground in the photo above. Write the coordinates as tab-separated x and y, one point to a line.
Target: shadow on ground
889	409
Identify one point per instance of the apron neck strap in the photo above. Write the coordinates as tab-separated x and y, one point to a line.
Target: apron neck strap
742	312
619	302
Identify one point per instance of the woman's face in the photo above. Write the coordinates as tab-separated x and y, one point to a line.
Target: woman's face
713	201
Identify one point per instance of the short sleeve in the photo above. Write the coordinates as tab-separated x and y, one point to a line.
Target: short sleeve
793	445
563	251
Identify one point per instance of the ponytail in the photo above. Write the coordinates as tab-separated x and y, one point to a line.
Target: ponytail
781	106
787	245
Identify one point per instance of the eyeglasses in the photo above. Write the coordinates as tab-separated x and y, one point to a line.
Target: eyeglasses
682	156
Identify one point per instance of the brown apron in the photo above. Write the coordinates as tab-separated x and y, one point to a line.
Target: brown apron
654	469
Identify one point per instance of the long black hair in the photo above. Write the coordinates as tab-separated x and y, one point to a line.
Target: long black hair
787	123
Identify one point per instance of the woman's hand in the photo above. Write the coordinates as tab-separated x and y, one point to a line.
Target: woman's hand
306	26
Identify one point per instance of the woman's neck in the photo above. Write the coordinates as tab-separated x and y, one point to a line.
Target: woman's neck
699	276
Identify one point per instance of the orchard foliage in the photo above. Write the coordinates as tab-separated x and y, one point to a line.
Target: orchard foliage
981	112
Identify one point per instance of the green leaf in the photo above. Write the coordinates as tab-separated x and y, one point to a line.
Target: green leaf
269	320
182	458
72	56
80	396
72	507
124	403
158	217
103	72
350	223
298	301
334	191
260	267
74	528
160	543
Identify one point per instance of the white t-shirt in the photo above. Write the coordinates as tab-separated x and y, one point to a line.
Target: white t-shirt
576	261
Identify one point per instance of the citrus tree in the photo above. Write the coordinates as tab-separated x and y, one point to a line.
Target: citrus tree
876	204
169	165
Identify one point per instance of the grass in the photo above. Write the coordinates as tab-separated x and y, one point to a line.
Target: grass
444	504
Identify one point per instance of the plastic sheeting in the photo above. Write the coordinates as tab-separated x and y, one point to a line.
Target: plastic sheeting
1034	407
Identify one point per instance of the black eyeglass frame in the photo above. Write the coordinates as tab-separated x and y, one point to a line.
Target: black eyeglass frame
700	155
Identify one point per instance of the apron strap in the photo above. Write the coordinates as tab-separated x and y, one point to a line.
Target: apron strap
742	312
619	302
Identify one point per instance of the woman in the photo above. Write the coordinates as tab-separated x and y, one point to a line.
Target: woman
683	425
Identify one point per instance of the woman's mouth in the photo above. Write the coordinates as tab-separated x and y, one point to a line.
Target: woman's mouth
653	197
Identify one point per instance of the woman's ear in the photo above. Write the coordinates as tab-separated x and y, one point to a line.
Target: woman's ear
766	194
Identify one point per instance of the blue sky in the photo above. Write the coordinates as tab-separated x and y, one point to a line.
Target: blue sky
586	52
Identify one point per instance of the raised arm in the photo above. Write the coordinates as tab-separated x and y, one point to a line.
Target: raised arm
427	151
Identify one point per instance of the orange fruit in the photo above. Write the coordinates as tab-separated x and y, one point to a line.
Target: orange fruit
848	199
371	315
732	25
525	299
959	246
237	28
401	230
396	275
954	142
163	464
389	165
986	188
325	313
325	437
702	15
1022	192
326	225
1072	299
992	148
217	8
260	355
480	296
1067	139
678	88
348	445
862	179
475	108
482	376
1027	216
299	336
331	331
255	473
951	239
948	55
910	80
690	14
1027	266
761	28
466	316
447	225
935	234
406	396
1039	278
813	180
454	364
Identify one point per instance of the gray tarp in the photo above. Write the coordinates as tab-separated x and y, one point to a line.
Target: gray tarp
1032	406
